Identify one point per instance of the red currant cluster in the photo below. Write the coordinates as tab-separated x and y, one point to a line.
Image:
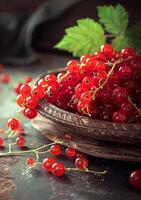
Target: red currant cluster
57	168
105	85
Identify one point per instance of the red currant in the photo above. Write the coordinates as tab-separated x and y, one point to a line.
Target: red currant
30	113
5	78
21	100
30	162
31	102
21	142
135	179
70	152
38	92
55	149
25	90
17	88
58	169
1	142
47	164
13	124
81	163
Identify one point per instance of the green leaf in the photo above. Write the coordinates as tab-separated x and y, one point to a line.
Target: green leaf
114	19
120	42
133	35
86	37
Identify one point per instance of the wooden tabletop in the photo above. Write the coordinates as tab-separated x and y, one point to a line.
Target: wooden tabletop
17	182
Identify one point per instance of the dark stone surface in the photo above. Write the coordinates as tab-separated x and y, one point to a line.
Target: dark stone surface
39	185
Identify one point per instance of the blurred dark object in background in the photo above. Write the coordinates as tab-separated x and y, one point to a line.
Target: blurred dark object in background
28	28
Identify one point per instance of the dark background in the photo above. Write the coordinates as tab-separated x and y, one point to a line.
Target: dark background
35	26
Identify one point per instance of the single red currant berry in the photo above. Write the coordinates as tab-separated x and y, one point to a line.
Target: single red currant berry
27	79
135	179
30	113
73	66
81	163
21	142
1	142
70	152
20	100
127	52
31	102
50	78
47	164
39	92
86	97
13	124
55	149
125	72
25	90
58	169
43	83
107	50
5	78
30	162
17	88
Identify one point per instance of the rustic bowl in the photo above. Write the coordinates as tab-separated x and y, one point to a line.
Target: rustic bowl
95	137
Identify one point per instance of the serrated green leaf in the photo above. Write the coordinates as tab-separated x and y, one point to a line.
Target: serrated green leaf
120	42
114	19
133	35
86	37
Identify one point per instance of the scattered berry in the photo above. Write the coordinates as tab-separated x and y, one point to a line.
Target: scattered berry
58	169
55	149
21	142
81	163
47	164
70	152
135	179
30	162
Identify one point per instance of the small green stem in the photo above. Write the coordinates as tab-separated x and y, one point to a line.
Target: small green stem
87	171
16	153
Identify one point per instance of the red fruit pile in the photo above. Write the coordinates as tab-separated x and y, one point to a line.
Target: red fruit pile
104	86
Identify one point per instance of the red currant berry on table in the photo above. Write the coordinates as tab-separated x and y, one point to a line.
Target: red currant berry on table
31	102
47	164
13	124
70	152
21	142
5	78
30	162
25	90
58	169
38	92
55	149
30	113
1	142
81	163
135	179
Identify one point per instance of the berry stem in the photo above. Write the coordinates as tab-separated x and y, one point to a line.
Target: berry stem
16	153
87	171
